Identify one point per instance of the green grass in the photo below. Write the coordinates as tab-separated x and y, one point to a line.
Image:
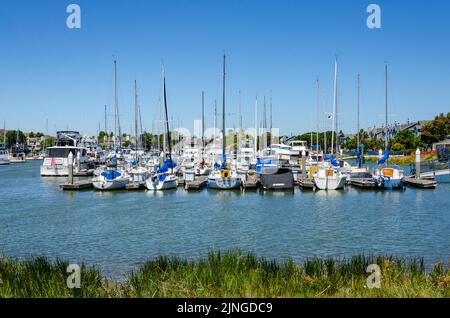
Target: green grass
231	274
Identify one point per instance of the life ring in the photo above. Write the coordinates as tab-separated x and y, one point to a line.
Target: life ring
225	174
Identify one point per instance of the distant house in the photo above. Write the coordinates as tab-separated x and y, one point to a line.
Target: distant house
392	130
443	149
415	127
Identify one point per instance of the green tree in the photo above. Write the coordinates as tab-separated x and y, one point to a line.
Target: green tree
435	130
405	139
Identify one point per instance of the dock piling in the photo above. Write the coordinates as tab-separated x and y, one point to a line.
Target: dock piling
70	167
418	163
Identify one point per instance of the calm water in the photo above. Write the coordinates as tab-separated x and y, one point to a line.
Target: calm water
118	231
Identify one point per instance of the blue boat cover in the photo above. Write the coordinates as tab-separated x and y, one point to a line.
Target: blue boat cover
111	174
333	161
166	166
385	157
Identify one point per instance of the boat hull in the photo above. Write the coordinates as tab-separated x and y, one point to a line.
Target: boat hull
330	182
4	162
283	179
107	185
224	183
56	171
160	185
389	183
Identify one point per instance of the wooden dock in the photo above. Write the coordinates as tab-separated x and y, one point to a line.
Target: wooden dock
135	186
76	186
251	182
363	183
197	184
420	183
306	184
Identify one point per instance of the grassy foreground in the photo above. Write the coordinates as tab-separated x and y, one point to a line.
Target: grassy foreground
230	274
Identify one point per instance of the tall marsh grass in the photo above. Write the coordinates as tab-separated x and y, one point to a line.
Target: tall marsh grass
231	274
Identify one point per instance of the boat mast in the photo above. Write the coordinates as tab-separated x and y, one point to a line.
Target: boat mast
318	106
223	112
334	107
203	123
255	146
136	114
386	105
167	121
357	111
270	120
116	111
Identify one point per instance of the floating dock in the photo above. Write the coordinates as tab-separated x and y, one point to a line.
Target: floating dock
420	183
135	186
306	184
251	182
364	183
79	185
196	184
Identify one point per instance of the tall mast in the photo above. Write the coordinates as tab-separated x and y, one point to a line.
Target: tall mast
386	105
318	107
270	116
223	111
203	122
357	112
334	107
256	125
116	110
167	121
141	141
136	114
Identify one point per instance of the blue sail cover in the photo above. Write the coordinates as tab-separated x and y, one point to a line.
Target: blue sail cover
384	158
358	159
224	162
110	174
166	166
333	161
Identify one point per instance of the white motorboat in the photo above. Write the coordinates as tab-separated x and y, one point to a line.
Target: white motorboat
4	156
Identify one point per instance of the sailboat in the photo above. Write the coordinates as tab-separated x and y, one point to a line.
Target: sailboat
4	154
113	178
163	179
138	174
223	177
358	171
329	176
387	176
17	154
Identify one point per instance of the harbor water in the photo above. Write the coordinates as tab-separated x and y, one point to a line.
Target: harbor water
118	231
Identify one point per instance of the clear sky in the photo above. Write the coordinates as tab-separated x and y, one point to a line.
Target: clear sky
48	71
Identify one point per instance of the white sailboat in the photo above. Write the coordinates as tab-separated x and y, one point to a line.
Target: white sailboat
113	177
223	177
329	175
164	178
387	176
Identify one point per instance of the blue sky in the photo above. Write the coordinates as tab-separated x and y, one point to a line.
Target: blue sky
48	71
